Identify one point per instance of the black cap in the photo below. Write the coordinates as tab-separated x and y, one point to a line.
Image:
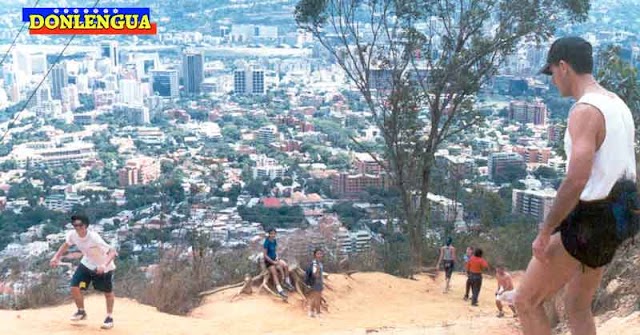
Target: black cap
574	50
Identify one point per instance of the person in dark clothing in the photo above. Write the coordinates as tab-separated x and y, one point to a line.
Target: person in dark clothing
315	296
475	266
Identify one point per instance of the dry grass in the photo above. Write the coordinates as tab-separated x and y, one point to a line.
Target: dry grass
175	285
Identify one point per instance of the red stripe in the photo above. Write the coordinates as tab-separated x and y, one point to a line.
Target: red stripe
109	31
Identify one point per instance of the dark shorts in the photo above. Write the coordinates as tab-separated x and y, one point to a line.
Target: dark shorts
448	268
83	277
594	230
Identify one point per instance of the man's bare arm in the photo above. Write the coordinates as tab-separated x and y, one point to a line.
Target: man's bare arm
61	251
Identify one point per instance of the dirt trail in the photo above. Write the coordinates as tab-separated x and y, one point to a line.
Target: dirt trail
366	303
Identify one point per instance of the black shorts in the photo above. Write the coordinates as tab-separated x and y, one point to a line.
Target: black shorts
594	230
83	277
448	268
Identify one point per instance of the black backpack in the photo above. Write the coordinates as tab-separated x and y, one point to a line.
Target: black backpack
624	204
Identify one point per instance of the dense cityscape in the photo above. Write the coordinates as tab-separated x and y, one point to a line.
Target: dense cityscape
232	120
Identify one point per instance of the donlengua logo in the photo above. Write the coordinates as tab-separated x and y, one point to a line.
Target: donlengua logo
89	21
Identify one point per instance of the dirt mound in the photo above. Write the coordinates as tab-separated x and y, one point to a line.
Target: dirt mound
364	303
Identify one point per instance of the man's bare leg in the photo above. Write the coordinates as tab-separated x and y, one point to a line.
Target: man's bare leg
499	305
78	298
285	271
274	275
539	282
110	298
280	270
578	298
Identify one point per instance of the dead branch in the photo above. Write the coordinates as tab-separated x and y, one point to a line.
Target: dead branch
220	289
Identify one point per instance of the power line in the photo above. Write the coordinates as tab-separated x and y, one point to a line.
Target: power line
15	38
55	62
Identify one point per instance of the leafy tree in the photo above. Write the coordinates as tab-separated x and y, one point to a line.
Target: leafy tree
5	149
620	77
419	81
231	132
545	172
348	214
8	165
87	102
282	217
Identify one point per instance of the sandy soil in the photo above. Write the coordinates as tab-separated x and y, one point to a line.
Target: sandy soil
366	303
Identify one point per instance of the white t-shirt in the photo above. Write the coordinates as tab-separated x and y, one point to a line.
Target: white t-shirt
94	249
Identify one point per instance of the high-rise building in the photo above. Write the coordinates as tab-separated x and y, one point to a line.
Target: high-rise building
59	80
555	132
135	114
536	203
39	63
268	134
42	95
257	81
249	80
70	97
130	92
145	63
139	171
347	185
528	112
239	82
154	103
506	166
364	163
103	98
110	50
192	71
22	62
533	154
165	83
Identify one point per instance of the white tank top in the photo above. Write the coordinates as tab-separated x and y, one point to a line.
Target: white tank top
448	253
615	159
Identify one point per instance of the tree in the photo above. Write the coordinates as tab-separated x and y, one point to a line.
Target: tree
231	132
545	172
419	82
620	77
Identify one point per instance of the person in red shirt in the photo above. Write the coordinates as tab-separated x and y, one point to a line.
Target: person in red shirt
475	266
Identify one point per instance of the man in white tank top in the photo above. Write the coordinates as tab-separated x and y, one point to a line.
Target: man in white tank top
593	207
448	259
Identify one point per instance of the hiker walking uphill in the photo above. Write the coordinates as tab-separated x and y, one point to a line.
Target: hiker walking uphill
475	266
467	285
96	266
593	212
448	260
277	267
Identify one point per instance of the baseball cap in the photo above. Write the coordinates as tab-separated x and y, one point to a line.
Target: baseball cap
574	50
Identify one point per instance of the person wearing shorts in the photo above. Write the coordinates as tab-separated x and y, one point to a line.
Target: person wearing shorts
505	290
594	210
96	267
448	260
277	267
